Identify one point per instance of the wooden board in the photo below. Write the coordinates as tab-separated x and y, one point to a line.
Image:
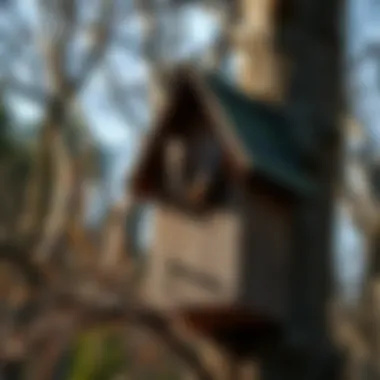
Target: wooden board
193	261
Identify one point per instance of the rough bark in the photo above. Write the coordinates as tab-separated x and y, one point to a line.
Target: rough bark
314	100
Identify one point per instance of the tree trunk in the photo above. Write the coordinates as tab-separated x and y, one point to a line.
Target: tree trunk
37	188
304	33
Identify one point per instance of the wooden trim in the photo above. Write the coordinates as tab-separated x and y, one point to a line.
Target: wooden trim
221	120
150	138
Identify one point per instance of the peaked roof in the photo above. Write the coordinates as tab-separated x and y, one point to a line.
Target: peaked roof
259	133
263	133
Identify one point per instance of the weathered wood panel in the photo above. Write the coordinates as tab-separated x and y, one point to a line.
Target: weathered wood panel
194	261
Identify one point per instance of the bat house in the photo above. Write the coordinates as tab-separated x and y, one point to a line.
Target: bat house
225	177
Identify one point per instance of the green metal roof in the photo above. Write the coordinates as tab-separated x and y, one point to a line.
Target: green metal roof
265	135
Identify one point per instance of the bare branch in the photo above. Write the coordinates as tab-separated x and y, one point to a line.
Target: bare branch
113	238
73	296
14	45
102	33
222	45
56	50
121	97
33	93
148	14
128	44
81	304
59	212
64	92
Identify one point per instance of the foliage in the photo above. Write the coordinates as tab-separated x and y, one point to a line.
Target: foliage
102	354
98	355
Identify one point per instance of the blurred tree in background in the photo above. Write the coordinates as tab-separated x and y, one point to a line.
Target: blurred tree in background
15	164
52	52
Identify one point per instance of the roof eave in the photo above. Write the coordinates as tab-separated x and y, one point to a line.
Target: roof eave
221	119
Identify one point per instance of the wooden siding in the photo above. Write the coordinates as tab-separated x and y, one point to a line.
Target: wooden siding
194	261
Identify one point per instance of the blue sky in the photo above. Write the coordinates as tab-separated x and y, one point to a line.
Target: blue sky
363	67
